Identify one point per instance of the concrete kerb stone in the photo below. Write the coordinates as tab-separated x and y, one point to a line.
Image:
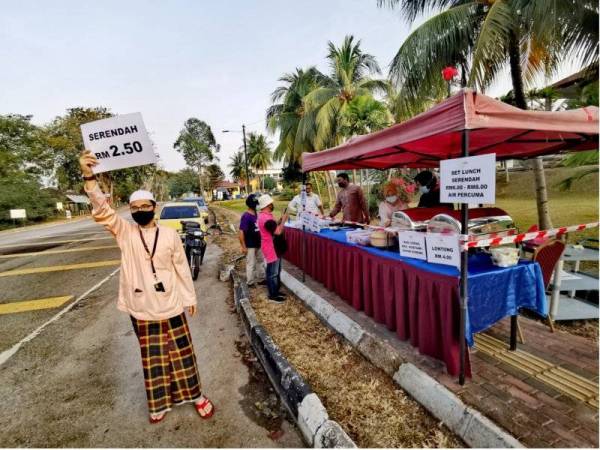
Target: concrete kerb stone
470	425
474	428
297	396
331	435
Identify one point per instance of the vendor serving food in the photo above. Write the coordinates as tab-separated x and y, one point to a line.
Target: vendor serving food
430	190
392	202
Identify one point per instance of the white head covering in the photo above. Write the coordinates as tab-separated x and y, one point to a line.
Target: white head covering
264	201
141	195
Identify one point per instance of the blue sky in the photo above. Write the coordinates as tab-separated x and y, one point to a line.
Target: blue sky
217	61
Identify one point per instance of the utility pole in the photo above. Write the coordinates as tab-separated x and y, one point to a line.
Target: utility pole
246	161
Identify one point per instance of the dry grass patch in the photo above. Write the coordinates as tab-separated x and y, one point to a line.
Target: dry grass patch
360	397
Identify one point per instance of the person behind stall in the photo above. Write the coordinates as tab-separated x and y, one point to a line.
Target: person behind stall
249	236
272	244
429	187
154	289
351	201
392	202
313	202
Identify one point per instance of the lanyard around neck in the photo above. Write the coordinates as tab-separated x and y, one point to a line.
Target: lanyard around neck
153	248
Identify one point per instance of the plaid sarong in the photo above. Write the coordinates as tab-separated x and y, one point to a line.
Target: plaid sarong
169	363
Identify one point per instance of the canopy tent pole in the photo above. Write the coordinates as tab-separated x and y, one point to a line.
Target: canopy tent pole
303	201
464	263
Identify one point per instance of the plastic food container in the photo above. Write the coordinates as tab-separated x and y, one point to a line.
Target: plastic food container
505	256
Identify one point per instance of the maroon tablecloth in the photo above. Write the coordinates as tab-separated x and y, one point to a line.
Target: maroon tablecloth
419	306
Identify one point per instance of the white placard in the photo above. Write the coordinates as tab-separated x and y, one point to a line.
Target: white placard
468	180
412	244
59	206
18	214
118	142
443	249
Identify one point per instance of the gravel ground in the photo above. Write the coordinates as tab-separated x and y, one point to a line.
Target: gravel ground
362	398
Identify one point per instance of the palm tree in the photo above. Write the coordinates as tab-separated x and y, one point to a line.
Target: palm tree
259	152
351	69
238	167
482	37
289	116
364	115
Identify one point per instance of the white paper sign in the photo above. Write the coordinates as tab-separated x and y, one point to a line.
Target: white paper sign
443	249
468	180
118	142
18	214
412	244
59	206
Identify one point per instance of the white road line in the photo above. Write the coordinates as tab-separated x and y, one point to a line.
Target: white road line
7	354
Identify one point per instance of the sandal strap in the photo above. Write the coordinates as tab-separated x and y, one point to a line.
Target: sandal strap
204	403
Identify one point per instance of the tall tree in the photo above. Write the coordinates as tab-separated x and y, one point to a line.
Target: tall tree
530	36
238	167
288	114
65	141
23	147
364	115
197	144
214	175
350	77
259	153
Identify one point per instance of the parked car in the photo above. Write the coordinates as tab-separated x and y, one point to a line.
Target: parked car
199	201
172	213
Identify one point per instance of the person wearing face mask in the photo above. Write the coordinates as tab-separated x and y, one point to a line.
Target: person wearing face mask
351	201
392	203
155	288
429	188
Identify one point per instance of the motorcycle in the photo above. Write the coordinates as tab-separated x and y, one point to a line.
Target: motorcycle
194	244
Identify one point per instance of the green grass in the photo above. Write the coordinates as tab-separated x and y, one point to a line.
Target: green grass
240	205
517	197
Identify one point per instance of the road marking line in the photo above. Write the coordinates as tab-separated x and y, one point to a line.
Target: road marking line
15	272
7	354
54	252
33	305
56	242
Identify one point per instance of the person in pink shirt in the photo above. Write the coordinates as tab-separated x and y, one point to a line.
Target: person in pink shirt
271	245
155	287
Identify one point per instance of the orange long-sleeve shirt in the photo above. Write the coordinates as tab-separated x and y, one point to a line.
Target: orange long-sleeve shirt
137	295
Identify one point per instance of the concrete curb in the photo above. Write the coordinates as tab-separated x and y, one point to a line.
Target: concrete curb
295	393
470	425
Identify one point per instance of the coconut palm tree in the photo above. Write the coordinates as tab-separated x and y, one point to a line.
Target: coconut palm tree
259	153
350	77
364	115
288	114
236	164
482	37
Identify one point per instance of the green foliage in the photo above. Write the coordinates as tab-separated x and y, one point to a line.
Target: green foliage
259	152
292	173
23	147
289	192
364	115
589	158
196	143
183	181
24	192
237	165
214	174
269	183
65	141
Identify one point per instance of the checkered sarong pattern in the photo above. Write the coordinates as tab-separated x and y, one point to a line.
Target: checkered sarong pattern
168	361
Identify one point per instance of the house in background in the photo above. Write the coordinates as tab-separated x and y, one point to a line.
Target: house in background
225	190
274	172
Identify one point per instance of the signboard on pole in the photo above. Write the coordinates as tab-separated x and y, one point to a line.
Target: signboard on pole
443	249
468	180
118	142
18	214
412	244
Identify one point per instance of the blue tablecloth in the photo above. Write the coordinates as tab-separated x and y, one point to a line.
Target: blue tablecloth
494	292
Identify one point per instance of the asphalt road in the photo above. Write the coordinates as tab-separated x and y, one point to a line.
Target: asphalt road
76	380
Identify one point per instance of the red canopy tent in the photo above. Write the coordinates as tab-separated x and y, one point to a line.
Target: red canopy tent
466	124
435	135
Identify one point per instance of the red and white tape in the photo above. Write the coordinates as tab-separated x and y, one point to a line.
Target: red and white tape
528	236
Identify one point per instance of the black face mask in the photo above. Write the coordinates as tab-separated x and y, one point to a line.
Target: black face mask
143	217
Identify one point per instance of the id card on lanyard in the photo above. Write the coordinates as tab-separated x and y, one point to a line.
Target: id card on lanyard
158	285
